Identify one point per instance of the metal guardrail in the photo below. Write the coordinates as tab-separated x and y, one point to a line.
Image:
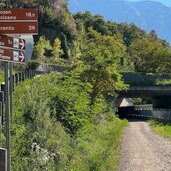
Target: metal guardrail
164	114
17	78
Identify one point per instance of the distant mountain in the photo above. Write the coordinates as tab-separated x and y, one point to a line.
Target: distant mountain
146	14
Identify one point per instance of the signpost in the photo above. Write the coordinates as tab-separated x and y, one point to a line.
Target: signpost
18	21
12	42
14	22
11	55
19	28
18	14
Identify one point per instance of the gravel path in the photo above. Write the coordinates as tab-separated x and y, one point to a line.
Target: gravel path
142	150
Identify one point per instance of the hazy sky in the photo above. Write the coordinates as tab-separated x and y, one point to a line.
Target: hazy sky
166	2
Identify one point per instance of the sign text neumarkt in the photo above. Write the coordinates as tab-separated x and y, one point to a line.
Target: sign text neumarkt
11	55
18	21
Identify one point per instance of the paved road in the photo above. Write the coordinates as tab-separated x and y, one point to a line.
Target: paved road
142	150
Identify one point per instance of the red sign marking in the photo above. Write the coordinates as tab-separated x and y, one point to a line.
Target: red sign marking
19	28
18	14
11	55
12	42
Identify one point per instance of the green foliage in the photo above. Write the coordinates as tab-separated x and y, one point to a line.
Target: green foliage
50	14
1	76
66	28
130	32
64	45
71	102
99	143
163	82
100	58
144	52
40	48
55	128
34	113
150	56
162	128
97	22
57	51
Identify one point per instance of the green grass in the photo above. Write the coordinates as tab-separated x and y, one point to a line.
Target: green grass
163	82
162	128
99	145
1	76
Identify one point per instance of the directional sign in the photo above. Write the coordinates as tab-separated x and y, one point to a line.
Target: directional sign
19	28
18	14
12	42
11	55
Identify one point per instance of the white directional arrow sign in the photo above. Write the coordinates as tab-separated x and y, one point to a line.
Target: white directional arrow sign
12	49
11	55
21	56
22	44
12	42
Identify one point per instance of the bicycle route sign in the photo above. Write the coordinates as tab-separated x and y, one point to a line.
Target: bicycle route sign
16	22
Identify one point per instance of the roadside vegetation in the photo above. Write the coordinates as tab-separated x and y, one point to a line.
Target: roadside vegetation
55	127
162	128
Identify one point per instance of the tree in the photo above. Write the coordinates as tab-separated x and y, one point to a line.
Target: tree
57	51
130	32
150	56
153	34
101	56
41	47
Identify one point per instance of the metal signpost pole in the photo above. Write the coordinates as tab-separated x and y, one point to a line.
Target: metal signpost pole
11	89
7	114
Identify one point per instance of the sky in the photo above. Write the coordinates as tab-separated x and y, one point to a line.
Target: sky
165	2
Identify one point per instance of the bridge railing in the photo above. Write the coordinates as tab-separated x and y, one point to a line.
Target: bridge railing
164	114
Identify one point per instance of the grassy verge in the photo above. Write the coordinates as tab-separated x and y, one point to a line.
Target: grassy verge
160	127
99	145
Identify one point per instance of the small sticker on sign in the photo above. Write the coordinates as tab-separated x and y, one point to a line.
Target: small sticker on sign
16	43
16	56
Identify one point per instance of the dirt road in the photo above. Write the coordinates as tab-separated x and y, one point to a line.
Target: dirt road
142	150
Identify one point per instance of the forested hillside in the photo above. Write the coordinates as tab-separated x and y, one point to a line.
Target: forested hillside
63	38
67	121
